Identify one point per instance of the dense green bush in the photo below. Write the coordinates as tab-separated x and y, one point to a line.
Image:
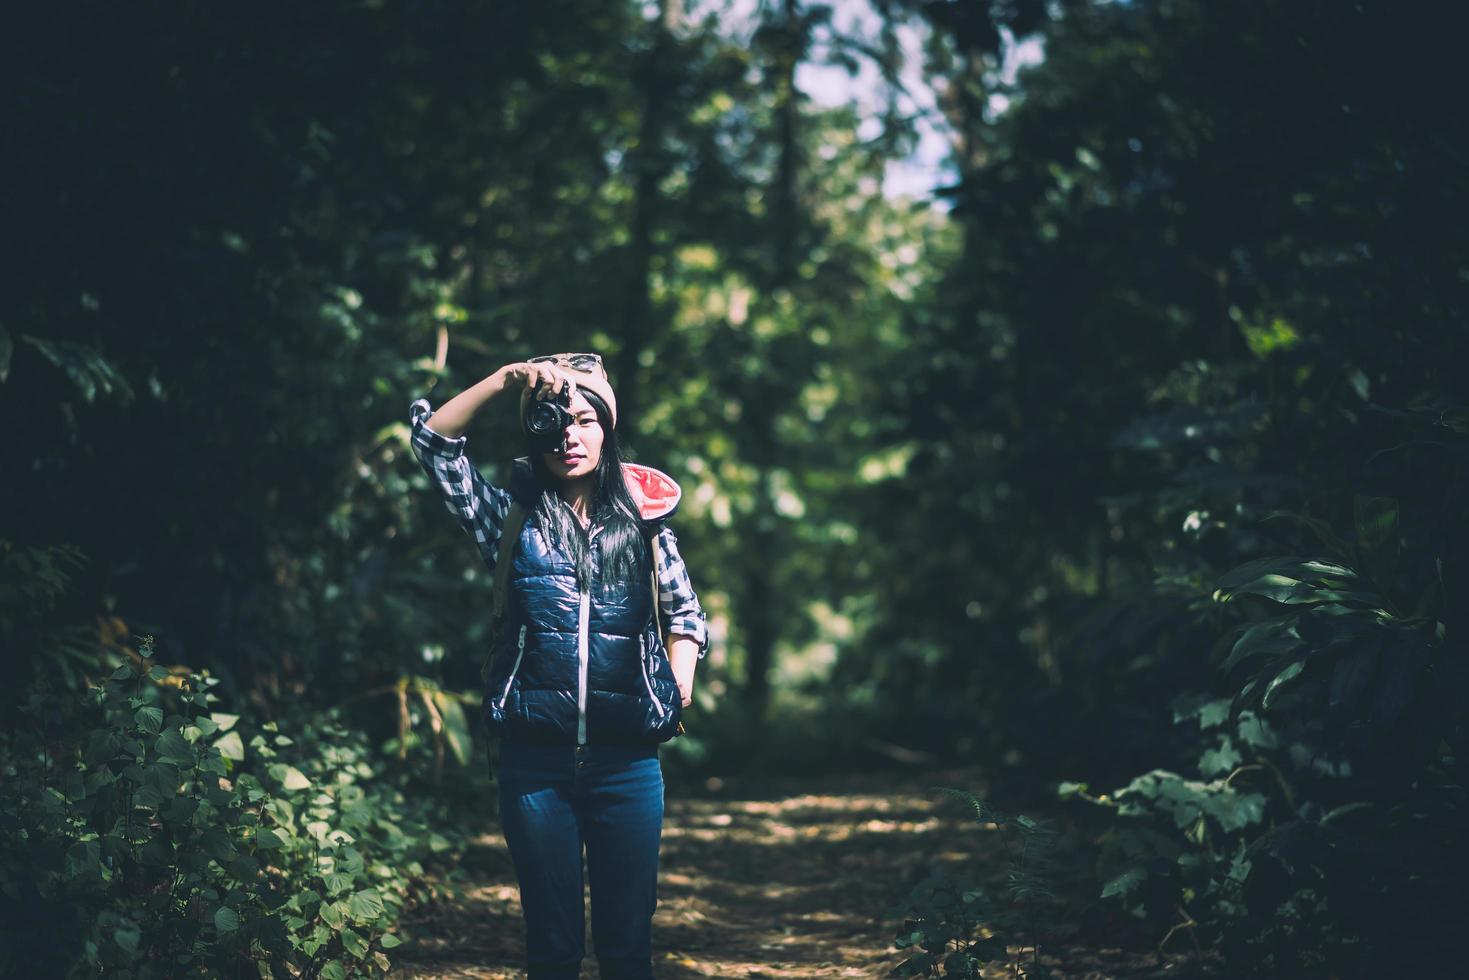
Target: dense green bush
156	836
1176	854
1325	836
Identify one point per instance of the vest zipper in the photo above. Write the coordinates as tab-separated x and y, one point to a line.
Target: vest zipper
643	643
583	615
516	666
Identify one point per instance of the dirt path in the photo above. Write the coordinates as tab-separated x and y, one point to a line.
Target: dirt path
784	878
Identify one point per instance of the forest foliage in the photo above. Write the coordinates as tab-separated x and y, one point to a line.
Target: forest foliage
1132	463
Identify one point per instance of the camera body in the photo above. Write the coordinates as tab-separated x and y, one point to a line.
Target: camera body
545	422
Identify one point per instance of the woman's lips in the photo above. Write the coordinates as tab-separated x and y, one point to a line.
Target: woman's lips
571	457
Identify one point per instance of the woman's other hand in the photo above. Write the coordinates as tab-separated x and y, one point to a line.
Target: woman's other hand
683	656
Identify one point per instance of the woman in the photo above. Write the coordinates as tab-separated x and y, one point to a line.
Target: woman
580	690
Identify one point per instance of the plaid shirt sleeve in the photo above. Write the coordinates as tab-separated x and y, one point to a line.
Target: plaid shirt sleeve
676	598
479	505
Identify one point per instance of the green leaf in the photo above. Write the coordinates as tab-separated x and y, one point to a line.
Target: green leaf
230	746
1281	679
1267	638
353	943
1281	588
165	777
1220	759
224	721
215	842
333	970
128	938
102	747
1234	810
336	882
456	726
281	810
157	853
333	914
147	795
1291	568
172	745
1288	591
389	941
1254	732
267	839
84	860
1197	831
1247	697
1213	713
289	777
365	906
226	919
84	366
1124	883
149	720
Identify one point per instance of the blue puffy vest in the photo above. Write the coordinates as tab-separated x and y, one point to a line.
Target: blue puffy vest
574	667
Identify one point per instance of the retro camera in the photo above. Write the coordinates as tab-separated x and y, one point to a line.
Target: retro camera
546	421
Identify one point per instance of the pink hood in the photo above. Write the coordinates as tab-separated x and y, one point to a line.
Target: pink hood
654	491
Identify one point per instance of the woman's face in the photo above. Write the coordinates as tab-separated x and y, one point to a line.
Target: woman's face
583	443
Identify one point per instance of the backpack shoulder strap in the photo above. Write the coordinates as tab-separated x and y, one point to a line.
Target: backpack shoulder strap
655	549
509	538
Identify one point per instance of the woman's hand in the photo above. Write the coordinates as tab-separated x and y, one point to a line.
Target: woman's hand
543	377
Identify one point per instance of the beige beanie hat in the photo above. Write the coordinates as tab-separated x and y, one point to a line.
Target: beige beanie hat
583	371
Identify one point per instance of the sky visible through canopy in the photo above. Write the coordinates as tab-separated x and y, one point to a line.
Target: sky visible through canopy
830	84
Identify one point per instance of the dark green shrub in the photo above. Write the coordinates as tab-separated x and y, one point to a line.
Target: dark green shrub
944	915
158	837
1326	835
1175	855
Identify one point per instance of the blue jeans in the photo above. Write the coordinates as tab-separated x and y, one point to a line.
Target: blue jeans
555	799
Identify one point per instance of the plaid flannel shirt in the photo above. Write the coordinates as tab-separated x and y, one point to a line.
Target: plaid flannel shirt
481	508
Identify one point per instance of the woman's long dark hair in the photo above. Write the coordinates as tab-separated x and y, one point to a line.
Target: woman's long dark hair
623	556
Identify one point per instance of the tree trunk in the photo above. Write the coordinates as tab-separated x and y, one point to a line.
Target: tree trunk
635	329
760	614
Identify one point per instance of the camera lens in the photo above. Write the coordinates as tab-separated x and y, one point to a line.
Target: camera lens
546	422
543	418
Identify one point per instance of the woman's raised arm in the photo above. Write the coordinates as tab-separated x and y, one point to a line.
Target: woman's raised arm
479	505
454	416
